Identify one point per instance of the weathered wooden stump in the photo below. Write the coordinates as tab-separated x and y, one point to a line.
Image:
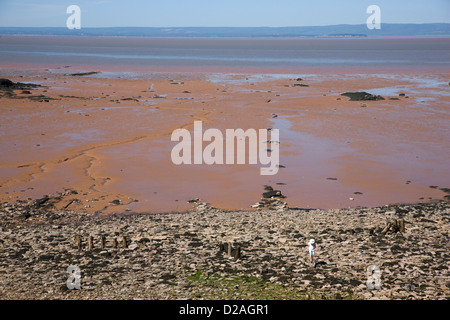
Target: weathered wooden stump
401	223
228	250
78	242
90	243
237	253
394	225
143	242
103	242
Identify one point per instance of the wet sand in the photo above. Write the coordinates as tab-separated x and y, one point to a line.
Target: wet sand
104	139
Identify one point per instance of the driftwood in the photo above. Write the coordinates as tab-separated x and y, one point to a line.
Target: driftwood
71	201
394	225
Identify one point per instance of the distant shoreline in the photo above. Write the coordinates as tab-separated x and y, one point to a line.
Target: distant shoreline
231	38
310	32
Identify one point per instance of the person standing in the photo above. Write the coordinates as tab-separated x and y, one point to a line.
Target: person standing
312	249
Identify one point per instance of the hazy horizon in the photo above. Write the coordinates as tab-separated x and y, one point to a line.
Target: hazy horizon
229	26
339	31
233	13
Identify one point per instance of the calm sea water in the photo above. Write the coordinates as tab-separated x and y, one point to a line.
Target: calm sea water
227	53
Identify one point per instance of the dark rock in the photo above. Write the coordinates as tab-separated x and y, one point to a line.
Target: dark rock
272	193
84	73
6	84
354	282
195	244
361	96
446	190
26	214
300	85
319	263
397	249
39	202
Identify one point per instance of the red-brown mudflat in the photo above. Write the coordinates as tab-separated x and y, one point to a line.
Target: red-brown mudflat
104	139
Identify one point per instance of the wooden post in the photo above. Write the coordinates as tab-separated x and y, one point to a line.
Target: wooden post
237	253
229	249
124	242
401	224
394	225
386	229
115	243
91	243
103	241
78	242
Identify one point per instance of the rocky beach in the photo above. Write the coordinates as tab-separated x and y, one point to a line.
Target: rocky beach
208	253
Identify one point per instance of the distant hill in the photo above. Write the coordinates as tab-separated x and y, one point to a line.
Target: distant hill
342	30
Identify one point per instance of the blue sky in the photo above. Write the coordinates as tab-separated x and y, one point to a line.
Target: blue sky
207	13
